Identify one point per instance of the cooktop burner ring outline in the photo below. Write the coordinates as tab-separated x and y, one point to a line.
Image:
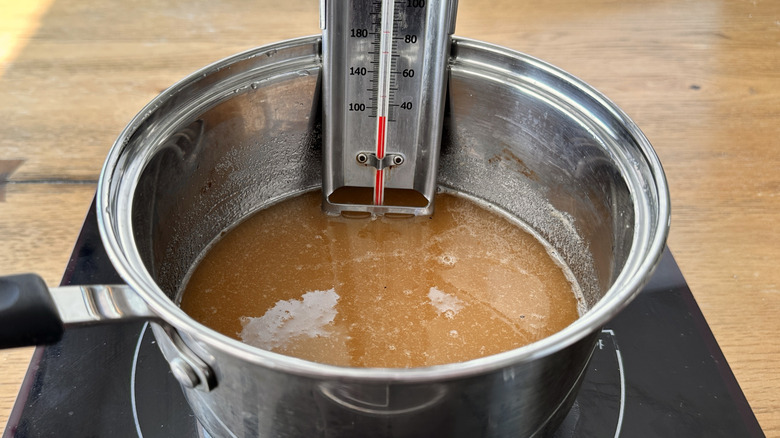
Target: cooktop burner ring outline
621	370
133	368
607	341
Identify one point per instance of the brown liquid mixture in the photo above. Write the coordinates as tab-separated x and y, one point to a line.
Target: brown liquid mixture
458	285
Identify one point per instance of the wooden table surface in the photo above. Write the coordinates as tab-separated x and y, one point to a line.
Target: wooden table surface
700	77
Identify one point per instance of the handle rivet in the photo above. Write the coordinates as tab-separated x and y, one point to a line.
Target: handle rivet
184	373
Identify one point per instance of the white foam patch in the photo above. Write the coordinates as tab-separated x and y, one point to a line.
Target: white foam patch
446	304
310	317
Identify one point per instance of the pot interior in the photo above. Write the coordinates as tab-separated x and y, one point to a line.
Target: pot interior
518	134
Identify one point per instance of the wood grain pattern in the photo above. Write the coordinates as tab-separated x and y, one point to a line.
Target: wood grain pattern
700	77
39	224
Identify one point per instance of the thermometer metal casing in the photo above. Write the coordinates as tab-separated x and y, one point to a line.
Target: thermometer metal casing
384	84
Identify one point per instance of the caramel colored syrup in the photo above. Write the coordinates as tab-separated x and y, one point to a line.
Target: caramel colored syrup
381	292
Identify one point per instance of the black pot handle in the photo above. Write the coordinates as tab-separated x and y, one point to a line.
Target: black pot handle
28	315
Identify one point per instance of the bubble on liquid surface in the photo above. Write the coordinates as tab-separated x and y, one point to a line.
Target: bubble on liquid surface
447	259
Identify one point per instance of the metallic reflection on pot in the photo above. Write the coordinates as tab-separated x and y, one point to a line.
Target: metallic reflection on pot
518	134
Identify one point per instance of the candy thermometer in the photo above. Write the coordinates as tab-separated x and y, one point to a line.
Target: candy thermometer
384	83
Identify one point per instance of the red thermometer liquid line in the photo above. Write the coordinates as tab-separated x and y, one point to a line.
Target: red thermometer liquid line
383	93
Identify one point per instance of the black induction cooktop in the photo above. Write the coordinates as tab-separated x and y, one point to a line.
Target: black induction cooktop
656	372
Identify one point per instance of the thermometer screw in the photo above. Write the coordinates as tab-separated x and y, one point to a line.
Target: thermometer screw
398	160
362	158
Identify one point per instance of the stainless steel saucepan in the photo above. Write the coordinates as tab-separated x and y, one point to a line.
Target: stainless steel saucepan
245	132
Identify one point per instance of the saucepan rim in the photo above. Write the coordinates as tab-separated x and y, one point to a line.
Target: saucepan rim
120	176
